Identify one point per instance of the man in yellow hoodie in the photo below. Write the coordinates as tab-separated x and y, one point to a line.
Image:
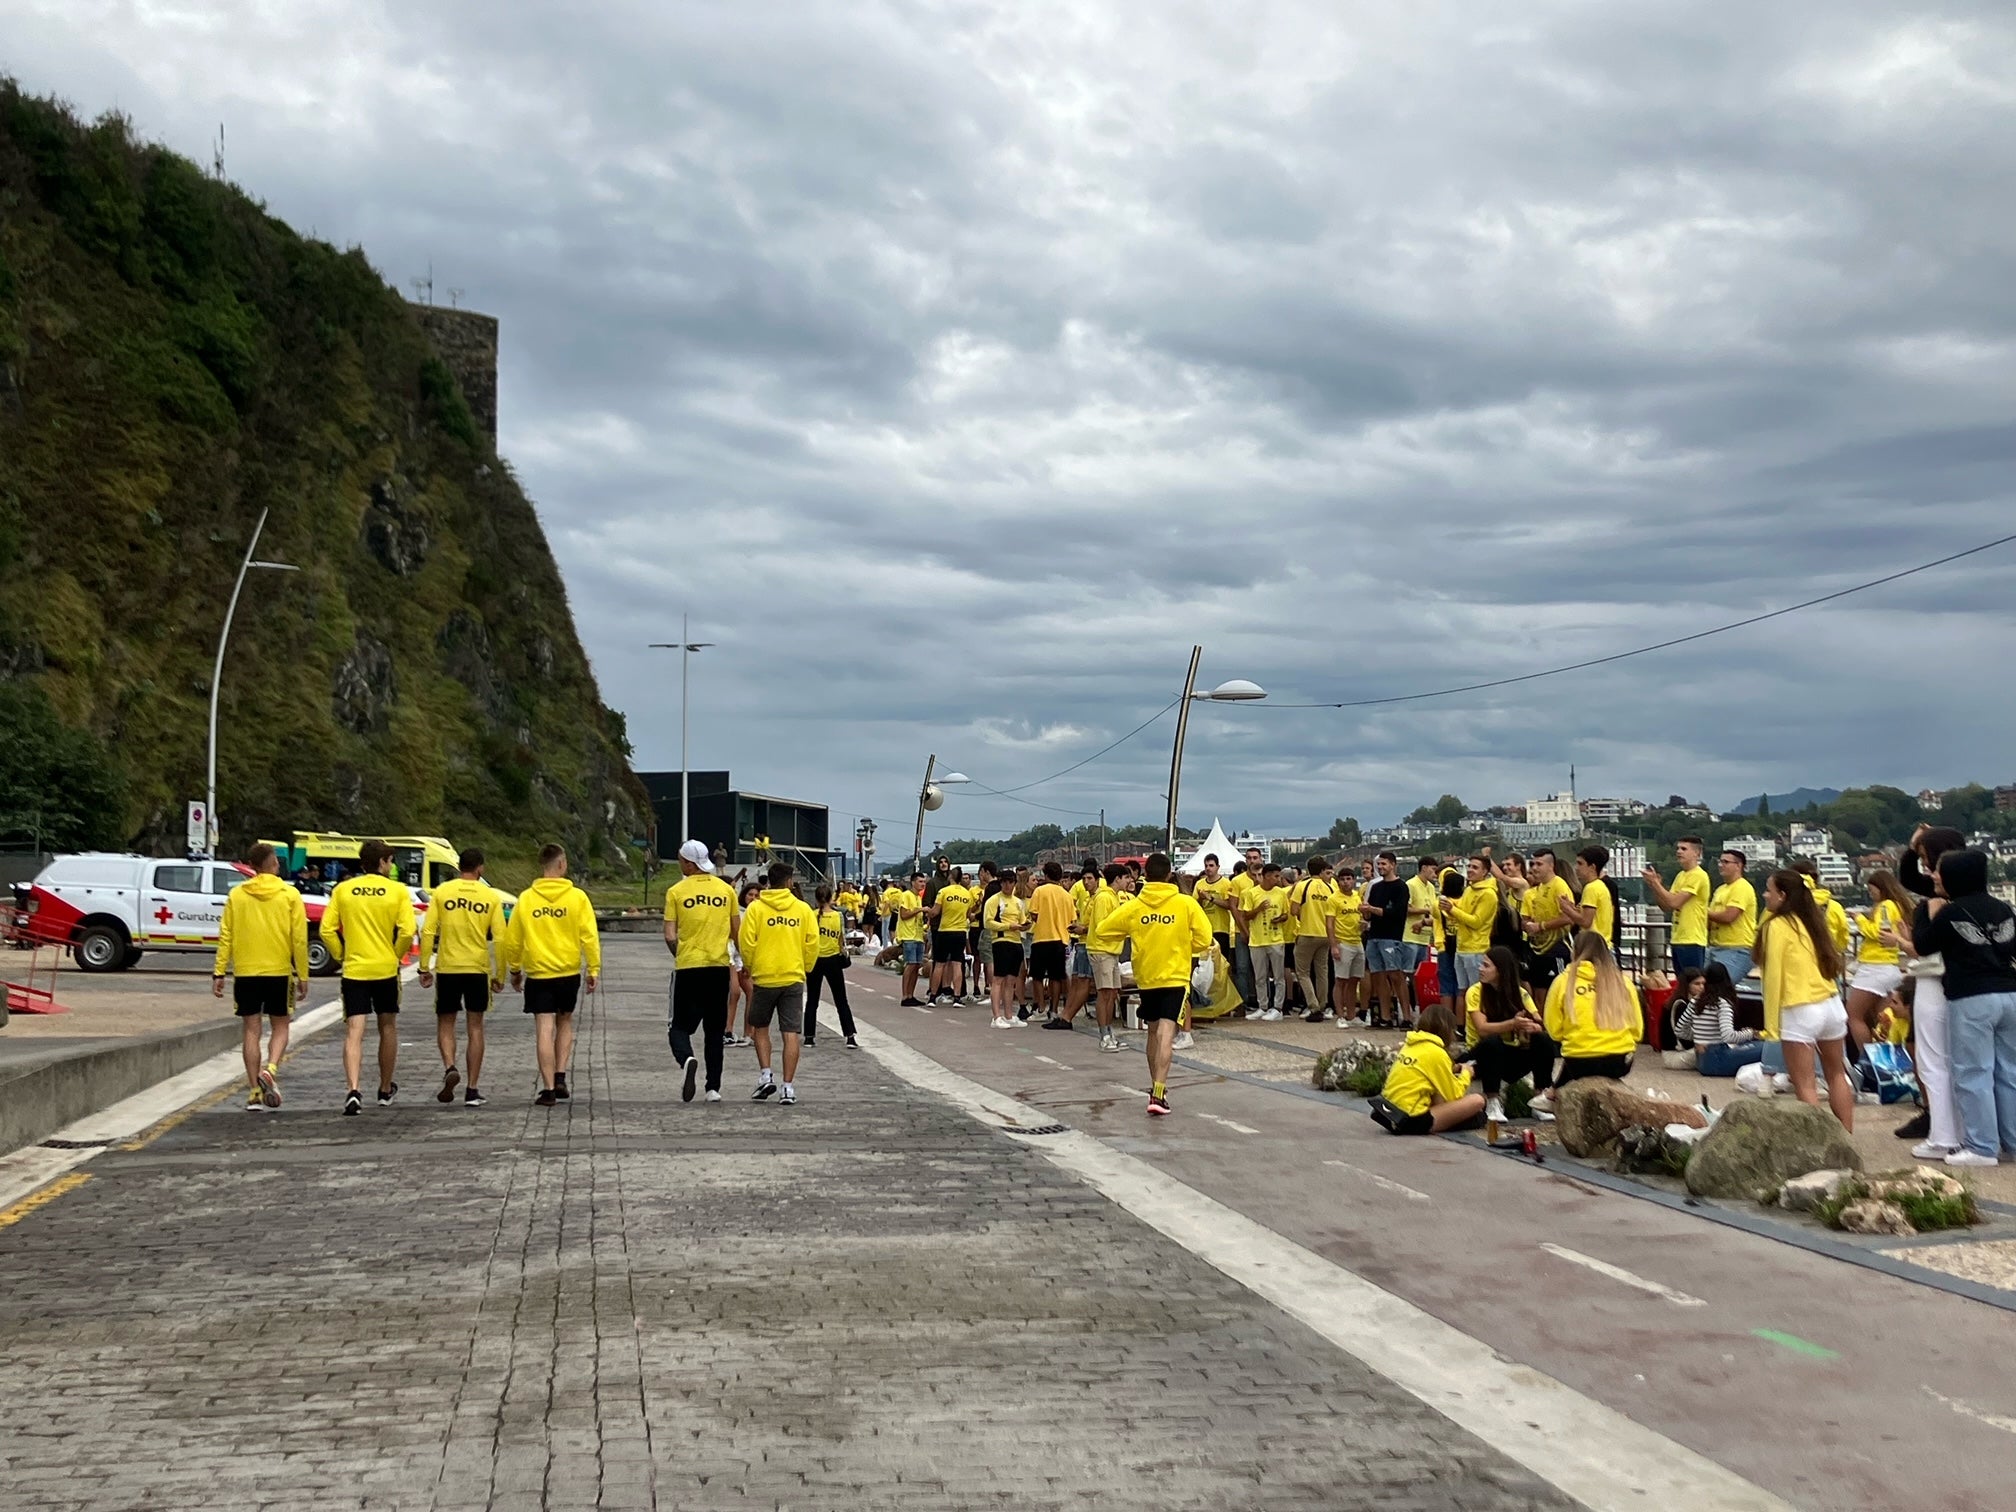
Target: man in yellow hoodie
368	926
1473	914
780	944
461	958
262	943
1169	932
551	940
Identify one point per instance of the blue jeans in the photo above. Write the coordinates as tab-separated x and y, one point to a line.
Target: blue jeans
1981	1037
1242	967
1445	969
1735	957
1690	957
1727	1060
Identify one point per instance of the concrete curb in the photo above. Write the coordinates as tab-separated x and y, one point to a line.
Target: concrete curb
38	1097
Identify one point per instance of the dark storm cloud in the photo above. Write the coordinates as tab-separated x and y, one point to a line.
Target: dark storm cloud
959	366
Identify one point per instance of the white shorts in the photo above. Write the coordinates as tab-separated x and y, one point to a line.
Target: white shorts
1877	978
1105	971
1350	963
1813	1023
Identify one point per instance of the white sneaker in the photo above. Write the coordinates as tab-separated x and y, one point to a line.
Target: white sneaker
1930	1151
1494	1111
1183	1041
1107	1042
1271	1016
997	1023
1970	1158
1015	1023
713	1097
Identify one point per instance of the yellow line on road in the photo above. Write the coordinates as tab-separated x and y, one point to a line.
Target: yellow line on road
10	1216
148	1135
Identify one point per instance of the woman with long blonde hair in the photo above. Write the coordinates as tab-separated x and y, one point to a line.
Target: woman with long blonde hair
1594	1015
1878	967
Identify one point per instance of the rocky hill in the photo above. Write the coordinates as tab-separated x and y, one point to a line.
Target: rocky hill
173	360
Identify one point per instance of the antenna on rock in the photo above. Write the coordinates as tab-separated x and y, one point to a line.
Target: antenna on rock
217	153
455	298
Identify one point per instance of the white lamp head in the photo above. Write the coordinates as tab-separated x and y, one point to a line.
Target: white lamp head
1238	690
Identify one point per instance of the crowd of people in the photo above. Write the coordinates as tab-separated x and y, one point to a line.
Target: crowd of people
1501	970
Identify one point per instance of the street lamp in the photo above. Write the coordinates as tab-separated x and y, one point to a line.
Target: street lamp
685	646
217	675
1238	690
931	798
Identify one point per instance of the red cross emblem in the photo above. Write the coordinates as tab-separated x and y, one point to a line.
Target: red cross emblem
163	916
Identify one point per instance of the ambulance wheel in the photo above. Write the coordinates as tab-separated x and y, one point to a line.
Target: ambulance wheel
102	947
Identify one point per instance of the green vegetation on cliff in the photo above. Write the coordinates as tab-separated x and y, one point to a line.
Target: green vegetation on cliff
173	360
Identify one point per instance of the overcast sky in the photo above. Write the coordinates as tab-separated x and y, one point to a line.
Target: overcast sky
960	364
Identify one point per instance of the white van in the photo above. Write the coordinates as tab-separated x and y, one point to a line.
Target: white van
110	908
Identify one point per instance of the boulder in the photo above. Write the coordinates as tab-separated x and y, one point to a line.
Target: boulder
1758	1146
1802	1194
1871	1215
1591	1113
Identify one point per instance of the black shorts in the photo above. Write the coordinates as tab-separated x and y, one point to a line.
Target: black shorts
370	995
456	991
272	996
552	994
1048	961
1159	1003
1224	943
698	991
1007	958
948	945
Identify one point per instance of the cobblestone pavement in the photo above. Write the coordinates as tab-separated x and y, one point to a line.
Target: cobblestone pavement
867	1300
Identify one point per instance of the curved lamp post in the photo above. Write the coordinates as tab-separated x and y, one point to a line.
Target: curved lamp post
1237	690
931	798
217	674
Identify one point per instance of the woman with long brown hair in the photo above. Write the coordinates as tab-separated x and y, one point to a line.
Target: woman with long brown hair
1594	1015
1802	1005
1877	968
1938	1127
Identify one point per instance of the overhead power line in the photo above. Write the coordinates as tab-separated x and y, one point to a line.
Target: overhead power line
1024	787
1665	645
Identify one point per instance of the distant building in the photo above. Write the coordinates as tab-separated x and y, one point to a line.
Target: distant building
1527	836
1761	850
1477	824
2005	798
1602	810
1834	870
1931	799
1626	861
1808	840
1694	811
751	827
1555	808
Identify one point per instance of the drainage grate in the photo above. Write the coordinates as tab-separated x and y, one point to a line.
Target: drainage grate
75	1144
1044	1129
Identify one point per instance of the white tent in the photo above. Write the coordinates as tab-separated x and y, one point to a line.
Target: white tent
1215	844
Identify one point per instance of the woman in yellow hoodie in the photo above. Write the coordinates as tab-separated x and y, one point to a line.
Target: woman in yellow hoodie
1593	1013
1801	1006
1878	970
1424	1092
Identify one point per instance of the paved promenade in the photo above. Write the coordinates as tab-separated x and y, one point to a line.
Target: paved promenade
869	1300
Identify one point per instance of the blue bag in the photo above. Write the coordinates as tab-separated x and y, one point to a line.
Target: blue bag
1895	1078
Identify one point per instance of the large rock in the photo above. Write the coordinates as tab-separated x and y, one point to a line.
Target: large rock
1758	1146
1591	1113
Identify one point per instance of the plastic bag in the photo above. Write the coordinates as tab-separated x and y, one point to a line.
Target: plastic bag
1202	975
1754	1080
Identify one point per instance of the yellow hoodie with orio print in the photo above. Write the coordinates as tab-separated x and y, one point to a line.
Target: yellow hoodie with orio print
264	932
465	916
368	925
780	938
1169	932
553	932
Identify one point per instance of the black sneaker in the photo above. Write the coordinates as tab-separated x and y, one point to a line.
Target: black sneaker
689	1080
1158	1106
1022	1013
1057	1023
450	1079
853	1043
546	1099
764	1089
353	1104
808	1042
1916	1128
1312	1018
911	1002
386	1094
471	1098
560	1086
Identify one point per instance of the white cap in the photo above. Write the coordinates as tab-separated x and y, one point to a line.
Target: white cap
696	852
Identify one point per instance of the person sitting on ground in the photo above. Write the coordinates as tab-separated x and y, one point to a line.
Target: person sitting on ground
1594	1015
1688	984
1502	1029
1424	1092
1708	1022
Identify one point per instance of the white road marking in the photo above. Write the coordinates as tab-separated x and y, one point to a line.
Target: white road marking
1380	1181
33	1166
1629	1278
925	1011
2006	1424
1591	1452
1236	1128
1049	1062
